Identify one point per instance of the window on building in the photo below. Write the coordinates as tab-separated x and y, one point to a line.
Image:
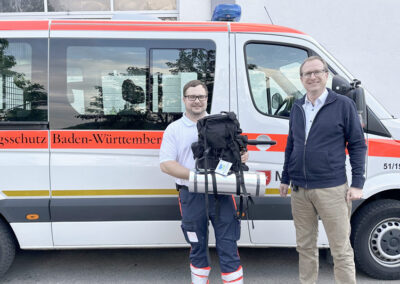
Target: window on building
168	18
139	5
78	5
23	79
124	84
11	6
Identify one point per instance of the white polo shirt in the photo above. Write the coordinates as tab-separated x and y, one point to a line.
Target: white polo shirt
176	144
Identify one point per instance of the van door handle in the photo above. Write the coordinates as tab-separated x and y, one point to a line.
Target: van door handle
262	142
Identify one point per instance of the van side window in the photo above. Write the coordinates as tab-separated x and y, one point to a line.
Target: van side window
23	80
124	84
172	69
273	72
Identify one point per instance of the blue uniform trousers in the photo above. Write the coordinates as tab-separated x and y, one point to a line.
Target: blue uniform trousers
226	226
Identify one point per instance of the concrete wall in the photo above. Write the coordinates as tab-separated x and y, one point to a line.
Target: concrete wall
363	35
194	10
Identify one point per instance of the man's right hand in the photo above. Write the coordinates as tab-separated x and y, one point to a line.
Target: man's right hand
283	189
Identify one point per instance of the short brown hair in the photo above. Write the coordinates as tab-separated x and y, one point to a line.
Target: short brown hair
194	83
315	57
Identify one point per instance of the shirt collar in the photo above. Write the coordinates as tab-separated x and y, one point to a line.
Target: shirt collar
187	121
321	99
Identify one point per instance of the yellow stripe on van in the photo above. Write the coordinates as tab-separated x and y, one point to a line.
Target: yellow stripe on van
274	191
114	192
106	192
24	193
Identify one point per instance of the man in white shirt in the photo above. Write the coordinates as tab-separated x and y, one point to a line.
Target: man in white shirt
176	159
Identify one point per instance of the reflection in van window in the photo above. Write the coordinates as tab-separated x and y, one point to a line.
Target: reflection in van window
172	72
23	79
274	79
96	76
124	84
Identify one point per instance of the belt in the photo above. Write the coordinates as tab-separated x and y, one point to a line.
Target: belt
178	187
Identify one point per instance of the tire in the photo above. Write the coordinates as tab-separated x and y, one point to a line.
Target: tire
7	248
376	239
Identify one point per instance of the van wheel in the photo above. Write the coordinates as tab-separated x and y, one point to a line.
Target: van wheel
376	239
7	248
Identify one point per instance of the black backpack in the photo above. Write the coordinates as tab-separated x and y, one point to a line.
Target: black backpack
219	139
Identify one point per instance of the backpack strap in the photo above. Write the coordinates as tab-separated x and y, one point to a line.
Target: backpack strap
240	207
215	190
238	194
249	199
195	182
206	150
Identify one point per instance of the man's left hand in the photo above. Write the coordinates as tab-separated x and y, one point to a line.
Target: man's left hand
245	157
354	194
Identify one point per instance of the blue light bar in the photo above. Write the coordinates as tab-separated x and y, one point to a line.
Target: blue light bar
227	12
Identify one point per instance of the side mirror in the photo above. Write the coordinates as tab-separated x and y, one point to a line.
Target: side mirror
277	100
352	90
132	93
340	85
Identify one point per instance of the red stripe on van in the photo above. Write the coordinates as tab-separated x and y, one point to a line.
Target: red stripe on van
93	139
165	23
139	26
384	148
376	147
24	25
27	139
67	139
243	27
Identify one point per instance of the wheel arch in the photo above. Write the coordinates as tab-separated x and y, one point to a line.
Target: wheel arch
385	194
10	229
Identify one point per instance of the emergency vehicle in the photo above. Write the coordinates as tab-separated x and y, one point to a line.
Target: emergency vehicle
83	106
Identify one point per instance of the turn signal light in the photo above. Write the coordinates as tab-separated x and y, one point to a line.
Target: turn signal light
32	216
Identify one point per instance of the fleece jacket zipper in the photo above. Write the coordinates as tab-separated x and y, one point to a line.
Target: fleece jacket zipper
306	136
305	144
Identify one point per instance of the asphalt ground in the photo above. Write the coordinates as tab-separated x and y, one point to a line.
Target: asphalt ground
261	265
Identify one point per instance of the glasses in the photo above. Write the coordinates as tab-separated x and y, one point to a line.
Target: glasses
192	98
316	73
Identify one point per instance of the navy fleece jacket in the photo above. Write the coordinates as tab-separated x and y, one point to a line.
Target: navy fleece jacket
319	161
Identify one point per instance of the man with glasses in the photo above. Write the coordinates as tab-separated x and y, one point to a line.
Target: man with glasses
322	126
176	159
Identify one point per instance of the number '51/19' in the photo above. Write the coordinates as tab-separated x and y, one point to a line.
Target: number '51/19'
391	166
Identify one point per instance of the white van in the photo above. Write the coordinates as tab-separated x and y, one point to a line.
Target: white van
83	106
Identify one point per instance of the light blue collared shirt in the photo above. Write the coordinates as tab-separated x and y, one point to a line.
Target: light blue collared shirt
311	110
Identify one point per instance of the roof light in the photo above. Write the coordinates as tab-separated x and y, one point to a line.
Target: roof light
227	12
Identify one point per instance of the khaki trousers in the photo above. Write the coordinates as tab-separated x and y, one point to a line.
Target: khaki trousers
331	206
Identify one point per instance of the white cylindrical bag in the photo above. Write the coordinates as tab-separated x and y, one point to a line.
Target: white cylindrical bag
254	182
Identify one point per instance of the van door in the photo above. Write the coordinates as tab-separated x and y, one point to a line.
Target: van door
114	90
24	152
268	82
